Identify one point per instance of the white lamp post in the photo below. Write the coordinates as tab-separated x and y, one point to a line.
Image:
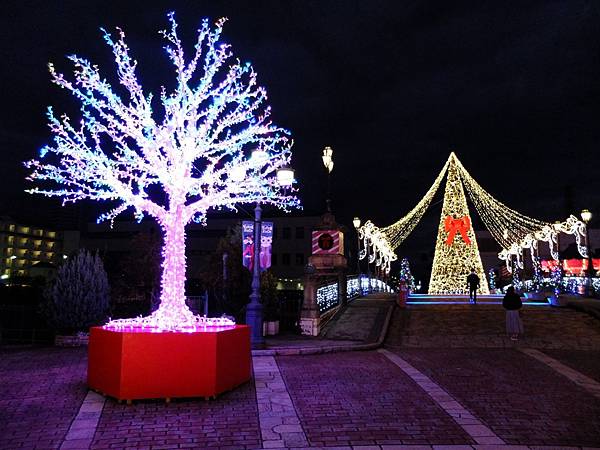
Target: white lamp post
586	216
328	163
356	223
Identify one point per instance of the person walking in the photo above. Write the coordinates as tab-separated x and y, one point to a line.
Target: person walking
512	304
473	285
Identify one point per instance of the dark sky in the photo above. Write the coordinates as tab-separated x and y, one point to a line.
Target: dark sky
392	86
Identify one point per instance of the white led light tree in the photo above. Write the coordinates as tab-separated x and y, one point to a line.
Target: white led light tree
195	147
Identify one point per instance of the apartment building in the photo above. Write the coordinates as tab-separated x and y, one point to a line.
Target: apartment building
25	247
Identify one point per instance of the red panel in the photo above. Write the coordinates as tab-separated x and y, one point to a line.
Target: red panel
140	364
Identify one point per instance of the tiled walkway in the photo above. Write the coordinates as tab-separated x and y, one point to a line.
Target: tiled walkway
41	391
364	399
435	386
521	399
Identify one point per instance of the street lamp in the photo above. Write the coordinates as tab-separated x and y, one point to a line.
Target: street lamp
328	163
586	216
254	310
356	223
285	177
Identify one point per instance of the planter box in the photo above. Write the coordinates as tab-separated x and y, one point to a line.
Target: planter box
77	340
271	328
138	364
535	296
559	300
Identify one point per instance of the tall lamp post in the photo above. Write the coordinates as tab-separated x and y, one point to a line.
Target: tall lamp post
586	216
328	163
369	264
356	223
254	310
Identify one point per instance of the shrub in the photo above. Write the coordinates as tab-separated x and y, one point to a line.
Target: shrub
79	295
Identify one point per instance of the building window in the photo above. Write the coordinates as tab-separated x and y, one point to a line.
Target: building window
287	233
285	258
299	259
274	259
299	232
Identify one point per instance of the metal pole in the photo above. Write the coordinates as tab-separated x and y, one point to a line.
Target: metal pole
590	267
358	261
328	190
225	257
368	266
206	303
559	261
254	310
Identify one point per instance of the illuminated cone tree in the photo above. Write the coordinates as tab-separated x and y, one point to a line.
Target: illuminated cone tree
456	251
208	143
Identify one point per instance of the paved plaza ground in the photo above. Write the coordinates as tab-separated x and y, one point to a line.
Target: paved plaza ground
445	377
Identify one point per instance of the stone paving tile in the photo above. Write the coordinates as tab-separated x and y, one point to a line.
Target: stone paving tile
522	400
586	362
361	398
41	390
587	383
480	433
230	421
279	423
84	425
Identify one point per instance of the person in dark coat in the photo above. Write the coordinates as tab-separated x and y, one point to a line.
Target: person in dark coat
512	304
473	285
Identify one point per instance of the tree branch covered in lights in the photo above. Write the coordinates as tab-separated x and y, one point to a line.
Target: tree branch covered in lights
207	144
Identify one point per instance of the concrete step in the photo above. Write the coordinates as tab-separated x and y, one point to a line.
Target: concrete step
491	299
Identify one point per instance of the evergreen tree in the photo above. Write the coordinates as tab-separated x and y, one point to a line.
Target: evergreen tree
406	275
79	295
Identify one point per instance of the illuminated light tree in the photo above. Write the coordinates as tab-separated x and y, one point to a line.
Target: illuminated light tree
456	251
406	274
514	231
196	149
492	277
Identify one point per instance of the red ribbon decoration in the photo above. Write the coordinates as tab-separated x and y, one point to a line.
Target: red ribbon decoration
460	225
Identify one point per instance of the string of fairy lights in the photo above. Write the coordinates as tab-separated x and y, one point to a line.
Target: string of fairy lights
515	232
397	232
209	145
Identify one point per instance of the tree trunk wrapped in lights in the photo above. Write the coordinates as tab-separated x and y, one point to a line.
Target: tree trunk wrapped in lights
196	148
456	251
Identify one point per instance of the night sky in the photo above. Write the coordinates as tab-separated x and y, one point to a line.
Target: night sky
393	86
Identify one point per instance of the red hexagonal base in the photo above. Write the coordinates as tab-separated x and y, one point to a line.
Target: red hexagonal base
138	364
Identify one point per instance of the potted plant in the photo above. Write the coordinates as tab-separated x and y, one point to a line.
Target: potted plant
77	298
270	303
556	299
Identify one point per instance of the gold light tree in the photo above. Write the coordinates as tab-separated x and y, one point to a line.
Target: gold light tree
456	251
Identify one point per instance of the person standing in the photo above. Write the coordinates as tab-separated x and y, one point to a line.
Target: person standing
473	285
512	304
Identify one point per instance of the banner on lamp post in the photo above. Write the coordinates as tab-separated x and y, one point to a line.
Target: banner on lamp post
266	242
